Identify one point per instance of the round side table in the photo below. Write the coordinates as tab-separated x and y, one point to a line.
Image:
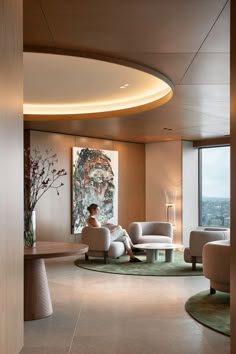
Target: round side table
37	299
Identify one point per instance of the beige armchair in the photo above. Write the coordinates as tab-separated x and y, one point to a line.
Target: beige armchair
216	265
100	244
150	232
198	238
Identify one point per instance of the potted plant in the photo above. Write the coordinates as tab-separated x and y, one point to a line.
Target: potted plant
40	176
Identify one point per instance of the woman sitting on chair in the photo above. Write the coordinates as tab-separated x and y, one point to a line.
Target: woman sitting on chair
116	231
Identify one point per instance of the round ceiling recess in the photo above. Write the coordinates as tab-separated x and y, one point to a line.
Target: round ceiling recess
71	87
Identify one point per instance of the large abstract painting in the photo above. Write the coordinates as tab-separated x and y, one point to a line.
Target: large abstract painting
95	180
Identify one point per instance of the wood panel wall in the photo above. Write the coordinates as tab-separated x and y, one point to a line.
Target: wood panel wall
164	173
54	212
11	177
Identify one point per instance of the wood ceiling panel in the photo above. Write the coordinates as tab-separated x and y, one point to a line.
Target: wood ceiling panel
219	112
210	131
208	68
105	25
201	94
173	65
219	38
35	26
144	127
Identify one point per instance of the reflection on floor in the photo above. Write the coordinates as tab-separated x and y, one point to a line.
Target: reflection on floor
106	313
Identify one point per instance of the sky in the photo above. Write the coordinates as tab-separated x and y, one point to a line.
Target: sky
216	172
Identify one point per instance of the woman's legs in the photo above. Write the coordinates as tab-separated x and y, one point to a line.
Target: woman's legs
121	235
126	234
128	244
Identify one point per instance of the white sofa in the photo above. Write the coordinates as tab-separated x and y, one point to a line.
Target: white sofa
216	265
198	238
150	232
100	244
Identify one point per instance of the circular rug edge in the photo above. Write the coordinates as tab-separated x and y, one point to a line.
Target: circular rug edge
215	300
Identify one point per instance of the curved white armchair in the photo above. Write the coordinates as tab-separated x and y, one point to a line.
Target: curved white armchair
100	245
150	232
198	238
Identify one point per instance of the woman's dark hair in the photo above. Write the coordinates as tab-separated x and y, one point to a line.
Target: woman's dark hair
92	207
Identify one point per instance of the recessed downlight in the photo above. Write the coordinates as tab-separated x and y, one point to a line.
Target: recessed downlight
124	86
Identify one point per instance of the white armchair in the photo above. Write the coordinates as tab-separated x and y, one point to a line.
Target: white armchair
100	245
150	232
198	238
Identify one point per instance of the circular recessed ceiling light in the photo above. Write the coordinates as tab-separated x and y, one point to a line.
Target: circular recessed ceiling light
59	85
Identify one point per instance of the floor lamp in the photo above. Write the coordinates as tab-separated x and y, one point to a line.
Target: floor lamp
170	213
170	207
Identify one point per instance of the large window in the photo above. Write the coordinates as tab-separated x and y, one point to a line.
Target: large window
214	191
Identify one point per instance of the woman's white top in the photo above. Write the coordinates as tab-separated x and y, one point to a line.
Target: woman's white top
116	231
89	224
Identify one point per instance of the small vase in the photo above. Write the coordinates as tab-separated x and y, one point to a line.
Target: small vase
30	228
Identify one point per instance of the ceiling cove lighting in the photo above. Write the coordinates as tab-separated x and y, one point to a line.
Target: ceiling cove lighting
59	85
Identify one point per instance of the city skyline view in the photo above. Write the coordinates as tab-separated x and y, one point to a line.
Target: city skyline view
215	187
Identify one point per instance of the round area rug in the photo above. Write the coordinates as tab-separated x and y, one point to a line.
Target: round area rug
212	311
123	266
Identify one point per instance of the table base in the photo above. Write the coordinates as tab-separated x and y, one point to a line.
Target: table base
37	299
153	255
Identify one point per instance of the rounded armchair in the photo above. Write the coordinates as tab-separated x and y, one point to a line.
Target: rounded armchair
216	265
150	232
198	238
100	244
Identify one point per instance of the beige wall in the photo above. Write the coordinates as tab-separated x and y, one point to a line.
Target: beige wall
164	173
233	177
11	178
54	212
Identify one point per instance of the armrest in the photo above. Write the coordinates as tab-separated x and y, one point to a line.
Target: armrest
97	238
135	232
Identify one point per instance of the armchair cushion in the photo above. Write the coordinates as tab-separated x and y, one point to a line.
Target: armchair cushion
154	239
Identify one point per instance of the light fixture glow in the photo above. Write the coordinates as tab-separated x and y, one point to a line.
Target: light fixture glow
62	85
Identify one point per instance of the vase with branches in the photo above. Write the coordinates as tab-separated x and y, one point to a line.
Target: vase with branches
40	176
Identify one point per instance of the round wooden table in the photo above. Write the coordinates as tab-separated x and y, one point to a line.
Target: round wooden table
37	299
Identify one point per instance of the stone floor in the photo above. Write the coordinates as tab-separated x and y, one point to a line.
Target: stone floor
98	313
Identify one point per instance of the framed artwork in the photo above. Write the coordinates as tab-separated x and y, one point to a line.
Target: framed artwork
94	180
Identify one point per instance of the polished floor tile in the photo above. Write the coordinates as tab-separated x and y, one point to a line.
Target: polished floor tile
106	313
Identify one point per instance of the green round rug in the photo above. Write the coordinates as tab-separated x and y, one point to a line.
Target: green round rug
212	311
123	266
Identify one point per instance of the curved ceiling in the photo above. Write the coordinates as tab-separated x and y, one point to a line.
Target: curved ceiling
67	85
188	41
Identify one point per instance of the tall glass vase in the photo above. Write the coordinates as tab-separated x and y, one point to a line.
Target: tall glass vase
30	228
